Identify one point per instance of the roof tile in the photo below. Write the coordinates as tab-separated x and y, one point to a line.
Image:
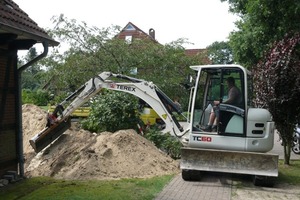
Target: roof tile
12	16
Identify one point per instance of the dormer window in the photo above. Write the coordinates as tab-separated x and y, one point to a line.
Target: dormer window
129	28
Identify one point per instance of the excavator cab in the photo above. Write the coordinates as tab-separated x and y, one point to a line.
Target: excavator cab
212	87
239	126
244	134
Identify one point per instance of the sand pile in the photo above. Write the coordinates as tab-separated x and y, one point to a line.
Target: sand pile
33	120
79	154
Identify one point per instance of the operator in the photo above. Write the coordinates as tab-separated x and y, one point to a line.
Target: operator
234	98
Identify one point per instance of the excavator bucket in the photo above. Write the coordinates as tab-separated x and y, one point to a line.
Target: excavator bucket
48	135
252	163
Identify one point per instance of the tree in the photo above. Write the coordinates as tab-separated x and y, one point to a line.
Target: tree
261	23
220	53
278	87
32	77
93	50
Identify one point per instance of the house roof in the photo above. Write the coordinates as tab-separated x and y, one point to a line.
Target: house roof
195	52
132	30
13	20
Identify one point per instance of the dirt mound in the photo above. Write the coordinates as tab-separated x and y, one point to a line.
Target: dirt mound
33	120
79	154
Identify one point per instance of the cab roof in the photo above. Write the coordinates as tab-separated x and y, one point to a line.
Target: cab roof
218	66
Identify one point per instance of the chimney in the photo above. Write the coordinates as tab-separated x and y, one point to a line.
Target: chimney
152	33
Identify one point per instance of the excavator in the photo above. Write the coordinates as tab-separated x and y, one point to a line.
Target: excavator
241	143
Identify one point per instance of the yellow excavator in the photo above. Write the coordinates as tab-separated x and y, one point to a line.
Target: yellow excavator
240	144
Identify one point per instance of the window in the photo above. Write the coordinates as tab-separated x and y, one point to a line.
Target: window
128	39
130	28
213	86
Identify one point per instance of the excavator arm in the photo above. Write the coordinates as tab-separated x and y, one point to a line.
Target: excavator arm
59	121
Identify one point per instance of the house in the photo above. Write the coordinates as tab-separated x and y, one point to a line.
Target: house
17	32
131	32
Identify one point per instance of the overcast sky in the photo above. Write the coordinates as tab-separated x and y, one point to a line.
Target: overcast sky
202	22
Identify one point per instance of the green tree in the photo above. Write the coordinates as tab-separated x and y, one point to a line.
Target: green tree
32	81
220	53
93	50
277	88
261	23
37	97
32	77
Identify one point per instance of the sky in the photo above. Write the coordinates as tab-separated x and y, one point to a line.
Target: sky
202	22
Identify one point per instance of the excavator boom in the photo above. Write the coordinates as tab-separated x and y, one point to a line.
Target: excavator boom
59	120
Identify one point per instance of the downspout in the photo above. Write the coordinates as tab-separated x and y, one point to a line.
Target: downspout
39	57
20	135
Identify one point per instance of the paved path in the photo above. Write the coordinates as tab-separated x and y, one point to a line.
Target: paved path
213	186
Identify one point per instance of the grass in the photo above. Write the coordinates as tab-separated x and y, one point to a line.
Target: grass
45	108
289	173
129	189
49	188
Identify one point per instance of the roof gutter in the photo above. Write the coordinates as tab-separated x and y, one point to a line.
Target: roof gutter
39	57
39	37
20	135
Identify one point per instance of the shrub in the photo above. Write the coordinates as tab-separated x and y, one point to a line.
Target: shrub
112	111
36	97
165	142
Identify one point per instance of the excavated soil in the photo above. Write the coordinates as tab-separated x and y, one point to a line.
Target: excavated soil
80	154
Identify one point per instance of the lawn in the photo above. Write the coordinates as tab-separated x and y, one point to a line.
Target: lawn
289	173
49	188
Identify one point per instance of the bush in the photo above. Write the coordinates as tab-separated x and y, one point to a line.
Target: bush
165	142
112	111
36	97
